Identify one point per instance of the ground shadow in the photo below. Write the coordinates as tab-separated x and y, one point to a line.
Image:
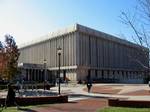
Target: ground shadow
73	102
27	109
86	96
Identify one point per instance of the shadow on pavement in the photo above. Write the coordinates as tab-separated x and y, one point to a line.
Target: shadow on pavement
72	102
27	110
86	96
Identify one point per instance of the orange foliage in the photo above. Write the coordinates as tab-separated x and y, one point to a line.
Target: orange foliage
3	63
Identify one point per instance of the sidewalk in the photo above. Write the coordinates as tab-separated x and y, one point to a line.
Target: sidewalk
86	105
77	92
82	101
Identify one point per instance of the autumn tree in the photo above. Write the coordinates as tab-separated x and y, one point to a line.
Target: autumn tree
2	63
11	53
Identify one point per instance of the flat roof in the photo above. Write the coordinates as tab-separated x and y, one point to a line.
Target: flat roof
83	29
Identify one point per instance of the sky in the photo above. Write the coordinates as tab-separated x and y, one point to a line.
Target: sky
27	20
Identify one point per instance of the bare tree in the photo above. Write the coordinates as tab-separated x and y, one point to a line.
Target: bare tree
139	22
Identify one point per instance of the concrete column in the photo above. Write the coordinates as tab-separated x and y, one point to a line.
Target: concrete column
105	74
99	74
116	75
26	74
38	75
111	74
29	74
33	74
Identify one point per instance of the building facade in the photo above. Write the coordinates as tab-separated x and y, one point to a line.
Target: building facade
85	51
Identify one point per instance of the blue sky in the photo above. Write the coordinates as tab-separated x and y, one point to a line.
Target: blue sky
27	20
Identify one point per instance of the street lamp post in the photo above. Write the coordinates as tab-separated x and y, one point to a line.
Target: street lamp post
59	54
44	72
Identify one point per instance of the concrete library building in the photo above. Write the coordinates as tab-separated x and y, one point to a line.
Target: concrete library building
80	51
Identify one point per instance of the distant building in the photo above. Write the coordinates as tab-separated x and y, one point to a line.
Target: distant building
84	51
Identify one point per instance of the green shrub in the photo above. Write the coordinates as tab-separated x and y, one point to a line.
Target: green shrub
3	87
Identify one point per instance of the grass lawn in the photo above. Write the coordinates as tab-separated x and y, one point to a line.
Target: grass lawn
14	109
10	109
124	109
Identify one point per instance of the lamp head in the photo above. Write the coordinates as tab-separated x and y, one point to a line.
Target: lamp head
45	61
59	50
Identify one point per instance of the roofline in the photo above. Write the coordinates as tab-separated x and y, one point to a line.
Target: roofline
50	35
83	29
106	36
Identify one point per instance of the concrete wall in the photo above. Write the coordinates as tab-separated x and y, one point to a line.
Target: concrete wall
84	49
101	53
48	50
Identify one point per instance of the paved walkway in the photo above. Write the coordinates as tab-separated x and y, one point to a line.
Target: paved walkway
87	105
77	92
82	101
